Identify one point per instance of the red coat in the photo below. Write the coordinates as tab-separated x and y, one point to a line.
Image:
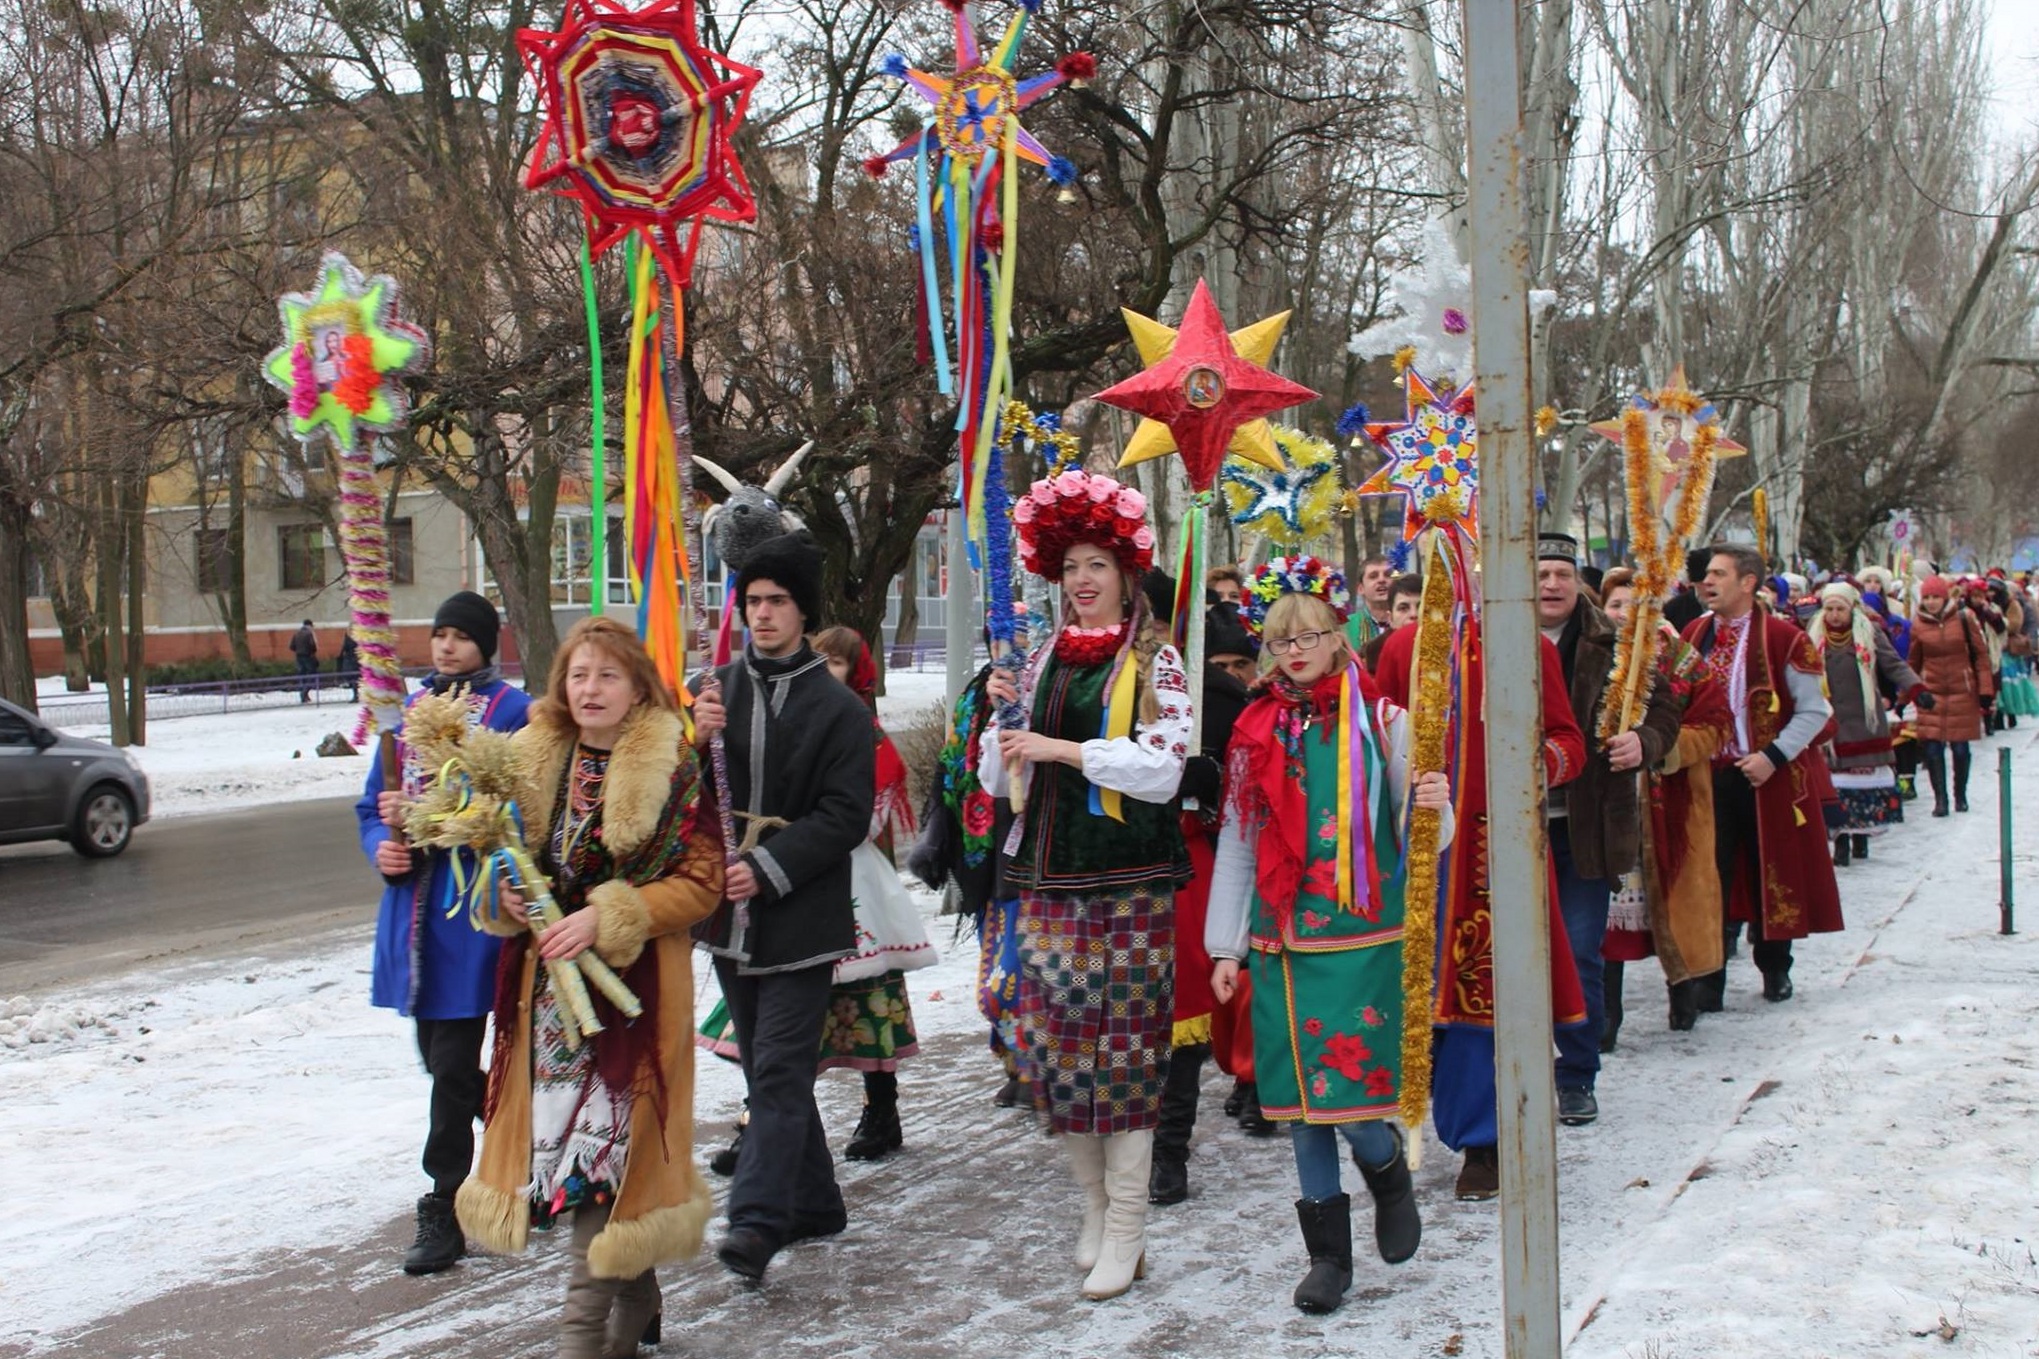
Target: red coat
1794	870
1465	980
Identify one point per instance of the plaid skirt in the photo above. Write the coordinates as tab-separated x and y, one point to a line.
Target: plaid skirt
1097	1010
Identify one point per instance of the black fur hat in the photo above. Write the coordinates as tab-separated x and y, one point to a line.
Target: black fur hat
792	562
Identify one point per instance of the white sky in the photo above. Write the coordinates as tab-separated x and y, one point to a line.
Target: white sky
2014	35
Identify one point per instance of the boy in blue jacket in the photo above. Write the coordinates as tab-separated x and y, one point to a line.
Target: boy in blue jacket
430	964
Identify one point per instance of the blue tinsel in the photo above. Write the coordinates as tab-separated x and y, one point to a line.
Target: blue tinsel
1031	6
1061	170
913	237
1051	421
1399	555
1354	421
1542	500
894	65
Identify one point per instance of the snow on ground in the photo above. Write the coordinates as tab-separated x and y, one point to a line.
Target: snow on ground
1849	1174
231	1108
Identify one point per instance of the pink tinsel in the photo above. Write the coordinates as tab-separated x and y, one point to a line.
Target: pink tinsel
304	384
1454	321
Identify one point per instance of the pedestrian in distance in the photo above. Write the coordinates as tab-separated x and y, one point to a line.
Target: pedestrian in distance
602	1127
431	965
304	646
348	667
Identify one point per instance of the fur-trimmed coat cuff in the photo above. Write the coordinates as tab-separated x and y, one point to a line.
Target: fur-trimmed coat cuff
498	1221
622	923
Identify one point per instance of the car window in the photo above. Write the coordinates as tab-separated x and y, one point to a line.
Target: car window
15	731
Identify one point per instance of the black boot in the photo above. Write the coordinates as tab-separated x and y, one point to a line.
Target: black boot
1255	1123
1963	760
1168	1180
724	1162
1777	984
1936	773
439	1242
1709	993
1861	848
1610	1027
878	1133
1327	1235
1844	851
1397	1227
1236	1101
1684	1004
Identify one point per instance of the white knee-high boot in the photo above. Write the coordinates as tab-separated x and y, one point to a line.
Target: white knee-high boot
1122	1258
1086	1164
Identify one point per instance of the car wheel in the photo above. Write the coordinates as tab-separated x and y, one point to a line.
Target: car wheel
106	822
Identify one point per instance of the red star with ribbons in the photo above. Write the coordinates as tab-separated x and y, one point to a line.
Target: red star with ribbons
1204	391
1433	458
638	121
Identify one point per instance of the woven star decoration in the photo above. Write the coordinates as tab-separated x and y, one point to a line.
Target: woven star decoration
1433	458
343	351
1204	390
638	121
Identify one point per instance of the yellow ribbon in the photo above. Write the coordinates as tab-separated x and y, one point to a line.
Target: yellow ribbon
1119	722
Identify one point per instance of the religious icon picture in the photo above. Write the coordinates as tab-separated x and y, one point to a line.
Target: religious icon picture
329	355
1203	387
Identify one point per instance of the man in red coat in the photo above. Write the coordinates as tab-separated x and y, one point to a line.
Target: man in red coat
1463	1092
1769	780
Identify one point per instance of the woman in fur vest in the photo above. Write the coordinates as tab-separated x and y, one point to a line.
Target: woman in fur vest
615	815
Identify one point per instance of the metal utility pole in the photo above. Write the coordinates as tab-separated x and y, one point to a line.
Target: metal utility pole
1514	704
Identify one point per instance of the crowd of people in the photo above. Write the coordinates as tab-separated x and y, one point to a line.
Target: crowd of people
1156	884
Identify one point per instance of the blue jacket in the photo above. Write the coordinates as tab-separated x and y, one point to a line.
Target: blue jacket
447	970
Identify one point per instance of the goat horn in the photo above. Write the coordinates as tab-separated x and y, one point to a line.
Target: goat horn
782	478
721	474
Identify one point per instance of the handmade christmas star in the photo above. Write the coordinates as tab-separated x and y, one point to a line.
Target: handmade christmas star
1254	440
638	121
1433	458
1672	415
1204	390
343	352
1290	504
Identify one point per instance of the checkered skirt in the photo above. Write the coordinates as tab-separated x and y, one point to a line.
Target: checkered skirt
1097	1009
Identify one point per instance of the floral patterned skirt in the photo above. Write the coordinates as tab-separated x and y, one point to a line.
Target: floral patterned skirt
869	1027
1327	1033
580	1128
1098	1005
1870	802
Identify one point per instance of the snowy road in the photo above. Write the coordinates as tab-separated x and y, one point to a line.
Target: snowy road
199	884
1850	1174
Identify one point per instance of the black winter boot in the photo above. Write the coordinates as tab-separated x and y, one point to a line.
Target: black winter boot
1168	1180
1327	1235
1236	1101
1936	773
1964	759
439	1242
1861	848
1610	1027
878	1133
1397	1226
1251	1120
1684	1004
1844	851
724	1162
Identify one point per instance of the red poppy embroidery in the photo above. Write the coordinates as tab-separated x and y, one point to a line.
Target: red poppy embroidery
1380	1081
1371	1018
1321	879
1314	920
1344	1053
1313	1027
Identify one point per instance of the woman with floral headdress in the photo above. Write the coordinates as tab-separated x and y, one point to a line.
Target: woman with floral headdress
1095	734
1307	893
1863	669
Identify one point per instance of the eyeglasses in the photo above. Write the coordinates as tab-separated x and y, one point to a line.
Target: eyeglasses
1302	641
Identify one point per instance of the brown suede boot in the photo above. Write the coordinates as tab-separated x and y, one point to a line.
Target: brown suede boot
584	1322
634	1316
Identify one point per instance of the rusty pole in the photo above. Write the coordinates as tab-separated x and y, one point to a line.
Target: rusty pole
1514	710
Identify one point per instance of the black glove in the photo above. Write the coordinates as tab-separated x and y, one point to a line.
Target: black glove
1926	701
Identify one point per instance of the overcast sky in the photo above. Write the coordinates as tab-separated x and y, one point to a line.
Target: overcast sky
2014	32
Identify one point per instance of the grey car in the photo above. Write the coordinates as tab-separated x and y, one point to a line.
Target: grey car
55	786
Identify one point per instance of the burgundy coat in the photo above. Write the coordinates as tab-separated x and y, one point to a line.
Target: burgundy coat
1952	657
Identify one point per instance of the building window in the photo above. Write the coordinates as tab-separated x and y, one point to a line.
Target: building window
215	562
403	558
301	548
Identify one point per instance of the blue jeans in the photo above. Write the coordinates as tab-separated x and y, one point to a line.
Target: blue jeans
1316	1148
1583	904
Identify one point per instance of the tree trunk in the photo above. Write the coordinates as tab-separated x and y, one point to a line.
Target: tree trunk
137	630
109	542
17	671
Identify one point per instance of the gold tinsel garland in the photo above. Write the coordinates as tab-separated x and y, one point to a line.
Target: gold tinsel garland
1641	640
1759	509
1430	731
1021	420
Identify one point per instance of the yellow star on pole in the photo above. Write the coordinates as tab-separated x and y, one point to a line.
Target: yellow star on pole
1253	441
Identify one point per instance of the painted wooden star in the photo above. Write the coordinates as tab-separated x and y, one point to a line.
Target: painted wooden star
1204	391
1253	440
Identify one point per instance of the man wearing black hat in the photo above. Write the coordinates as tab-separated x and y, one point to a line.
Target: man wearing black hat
802	778
430	963
1596	820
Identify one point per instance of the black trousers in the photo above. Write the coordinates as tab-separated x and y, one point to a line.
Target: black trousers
451	1050
784	1172
1737	854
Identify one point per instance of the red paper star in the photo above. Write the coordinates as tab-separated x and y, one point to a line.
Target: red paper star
1203	391
638	121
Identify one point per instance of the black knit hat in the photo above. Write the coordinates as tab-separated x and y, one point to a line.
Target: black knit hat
1225	635
791	562
1159	587
474	616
